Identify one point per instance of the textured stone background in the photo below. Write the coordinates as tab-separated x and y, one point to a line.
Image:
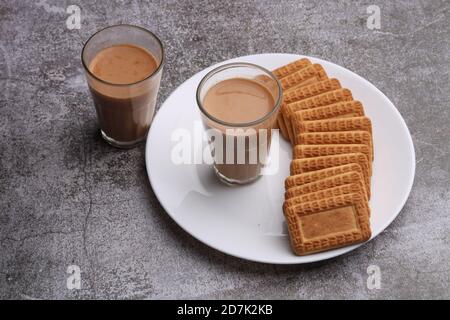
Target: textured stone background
68	198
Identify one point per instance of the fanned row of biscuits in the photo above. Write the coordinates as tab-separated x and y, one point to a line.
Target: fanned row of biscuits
327	194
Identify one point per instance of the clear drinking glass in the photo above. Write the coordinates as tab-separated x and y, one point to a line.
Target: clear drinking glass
243	149
124	111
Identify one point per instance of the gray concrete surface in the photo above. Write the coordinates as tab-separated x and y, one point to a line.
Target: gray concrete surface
68	198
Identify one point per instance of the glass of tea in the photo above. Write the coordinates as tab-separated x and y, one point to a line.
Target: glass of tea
239	103
123	66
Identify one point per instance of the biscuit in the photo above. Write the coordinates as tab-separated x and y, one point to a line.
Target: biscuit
303	92
291	68
325	193
312	73
282	126
336	137
327	125
307	177
275	125
318	150
337	110
318	163
328	223
322	162
311	90
321	76
320	100
330	182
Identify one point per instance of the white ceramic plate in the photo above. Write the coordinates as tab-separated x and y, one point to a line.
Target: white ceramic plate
247	221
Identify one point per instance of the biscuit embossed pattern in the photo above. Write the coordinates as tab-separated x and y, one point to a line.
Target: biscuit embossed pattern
248	221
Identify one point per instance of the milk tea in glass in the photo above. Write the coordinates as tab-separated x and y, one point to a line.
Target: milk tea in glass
239	103
123	66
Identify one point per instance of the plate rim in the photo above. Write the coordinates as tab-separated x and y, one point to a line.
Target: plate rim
302	259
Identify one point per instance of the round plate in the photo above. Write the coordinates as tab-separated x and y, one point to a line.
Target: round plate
247	221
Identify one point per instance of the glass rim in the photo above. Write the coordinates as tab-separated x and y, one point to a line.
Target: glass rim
86	68
234	65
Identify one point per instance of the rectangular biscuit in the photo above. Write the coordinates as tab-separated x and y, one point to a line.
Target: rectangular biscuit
336	137
320	100
328	223
318	150
327	125
307	177
275	125
325	193
322	162
330	182
345	109
291	68
282	126
318	163
311	90
321	76
302	92
312	73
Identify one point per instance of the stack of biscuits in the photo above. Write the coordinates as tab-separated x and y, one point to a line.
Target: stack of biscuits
327	192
